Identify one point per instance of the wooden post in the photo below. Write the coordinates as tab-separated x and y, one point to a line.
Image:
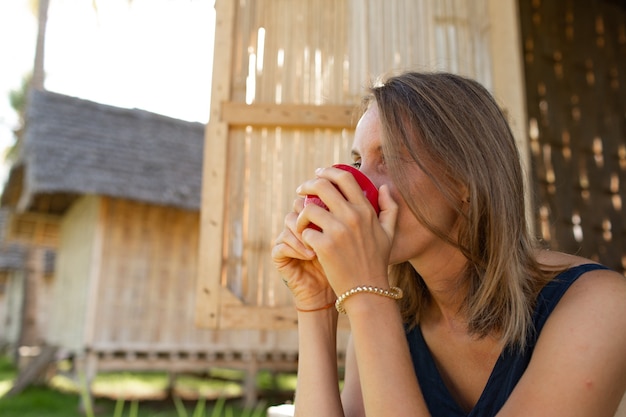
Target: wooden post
210	255
508	76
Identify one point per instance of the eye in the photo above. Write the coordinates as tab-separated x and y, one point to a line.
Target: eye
356	164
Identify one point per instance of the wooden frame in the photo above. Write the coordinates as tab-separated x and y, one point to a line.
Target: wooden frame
288	115
217	306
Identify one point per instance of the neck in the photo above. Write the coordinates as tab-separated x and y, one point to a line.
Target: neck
447	288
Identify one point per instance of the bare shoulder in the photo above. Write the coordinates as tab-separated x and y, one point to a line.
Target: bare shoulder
584	336
596	294
556	259
601	284
579	356
599	292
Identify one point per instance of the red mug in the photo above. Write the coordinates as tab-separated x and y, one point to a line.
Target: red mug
369	190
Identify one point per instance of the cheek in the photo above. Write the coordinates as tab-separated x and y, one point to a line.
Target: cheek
407	224
411	235
408	228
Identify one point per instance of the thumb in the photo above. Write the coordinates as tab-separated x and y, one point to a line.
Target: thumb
388	211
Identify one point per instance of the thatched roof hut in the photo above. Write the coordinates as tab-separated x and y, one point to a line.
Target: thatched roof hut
124	188
75	147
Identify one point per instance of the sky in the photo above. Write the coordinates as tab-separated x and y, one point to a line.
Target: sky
154	55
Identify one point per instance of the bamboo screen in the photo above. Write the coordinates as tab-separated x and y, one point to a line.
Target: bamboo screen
575	59
288	76
147	264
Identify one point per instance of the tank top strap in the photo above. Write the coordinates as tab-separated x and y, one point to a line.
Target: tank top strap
553	291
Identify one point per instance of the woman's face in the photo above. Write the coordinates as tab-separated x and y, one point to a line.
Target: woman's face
412	241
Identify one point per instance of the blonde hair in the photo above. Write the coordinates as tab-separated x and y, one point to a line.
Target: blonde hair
453	129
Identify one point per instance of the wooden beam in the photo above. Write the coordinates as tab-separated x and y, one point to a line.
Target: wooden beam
214	174
508	79
264	318
247	317
289	115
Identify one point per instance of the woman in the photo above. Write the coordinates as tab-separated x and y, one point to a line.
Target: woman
486	323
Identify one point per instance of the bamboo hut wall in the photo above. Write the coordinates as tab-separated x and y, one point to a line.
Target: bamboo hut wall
326	51
34	229
36	303
317	52
4	309
12	307
143	303
44	300
575	64
73	275
25	314
29	240
148	265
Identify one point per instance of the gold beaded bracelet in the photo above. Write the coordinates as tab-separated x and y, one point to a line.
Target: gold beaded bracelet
393	292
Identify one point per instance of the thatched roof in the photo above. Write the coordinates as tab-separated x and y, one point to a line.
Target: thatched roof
73	147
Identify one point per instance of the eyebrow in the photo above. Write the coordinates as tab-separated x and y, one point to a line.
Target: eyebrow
355	154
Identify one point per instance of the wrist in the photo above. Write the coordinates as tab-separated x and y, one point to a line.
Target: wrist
314	309
314	301
367	292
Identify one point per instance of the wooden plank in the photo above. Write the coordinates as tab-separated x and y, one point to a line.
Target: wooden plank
213	175
72	280
247	317
508	79
264	318
289	115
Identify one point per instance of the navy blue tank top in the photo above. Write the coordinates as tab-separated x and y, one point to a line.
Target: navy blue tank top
509	367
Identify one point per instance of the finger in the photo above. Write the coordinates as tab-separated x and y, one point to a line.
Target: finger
298	204
311	215
288	246
349	189
388	210
291	236
348	185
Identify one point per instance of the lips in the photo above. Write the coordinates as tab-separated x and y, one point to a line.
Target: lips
369	190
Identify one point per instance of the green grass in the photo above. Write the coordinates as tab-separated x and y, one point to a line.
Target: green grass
35	401
143	395
47	402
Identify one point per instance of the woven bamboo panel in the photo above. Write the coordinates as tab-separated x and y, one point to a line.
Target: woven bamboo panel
4	306
575	62
148	264
143	307
327	51
11	307
262	179
38	303
312	52
34	229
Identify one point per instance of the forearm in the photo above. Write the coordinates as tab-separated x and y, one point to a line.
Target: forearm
317	390
388	381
